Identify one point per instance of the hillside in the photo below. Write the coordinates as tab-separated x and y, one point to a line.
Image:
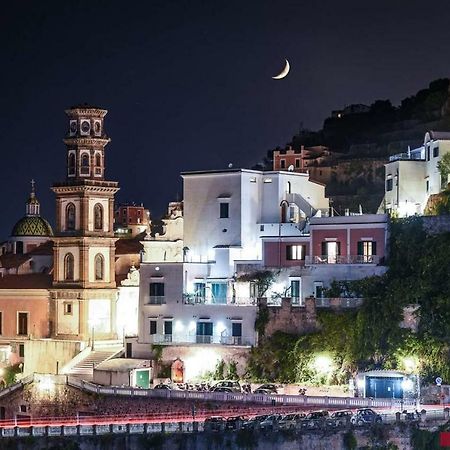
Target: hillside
364	136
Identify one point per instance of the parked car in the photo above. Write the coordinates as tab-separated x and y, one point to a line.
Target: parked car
339	418
234	423
365	416
262	391
290	421
253	423
162	386
214	423
315	419
270	387
271	422
222	389
233	385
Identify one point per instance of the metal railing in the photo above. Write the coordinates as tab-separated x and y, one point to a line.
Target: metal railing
339	259
177	339
155	299
193	299
414	155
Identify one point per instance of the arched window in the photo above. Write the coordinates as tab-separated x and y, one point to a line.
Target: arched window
98	160
68	267
98	217
71	164
85	164
99	266
70	217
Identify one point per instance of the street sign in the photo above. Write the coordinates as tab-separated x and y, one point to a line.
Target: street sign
438	381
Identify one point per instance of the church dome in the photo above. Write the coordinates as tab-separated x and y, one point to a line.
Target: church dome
32	226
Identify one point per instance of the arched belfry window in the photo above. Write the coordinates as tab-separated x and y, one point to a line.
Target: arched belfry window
98	217
84	170
71	164
69	267
99	267
70	217
98	160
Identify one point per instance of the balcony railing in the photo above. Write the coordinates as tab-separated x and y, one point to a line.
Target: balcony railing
193	299
340	302
338	259
155	299
178	339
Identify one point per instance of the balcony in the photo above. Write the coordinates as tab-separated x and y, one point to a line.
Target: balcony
338	259
193	299
181	339
155	300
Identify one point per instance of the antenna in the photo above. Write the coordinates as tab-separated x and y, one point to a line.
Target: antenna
291	168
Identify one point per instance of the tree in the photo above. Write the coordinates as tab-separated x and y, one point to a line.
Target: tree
444	168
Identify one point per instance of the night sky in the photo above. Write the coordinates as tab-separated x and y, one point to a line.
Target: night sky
188	84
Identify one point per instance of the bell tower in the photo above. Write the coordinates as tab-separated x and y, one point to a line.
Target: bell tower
84	244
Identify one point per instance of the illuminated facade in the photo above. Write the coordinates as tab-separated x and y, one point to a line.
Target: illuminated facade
412	177
84	294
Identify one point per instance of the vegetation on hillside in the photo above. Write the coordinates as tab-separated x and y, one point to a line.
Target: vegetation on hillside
370	337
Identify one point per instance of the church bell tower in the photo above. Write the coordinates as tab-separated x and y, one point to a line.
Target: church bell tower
84	244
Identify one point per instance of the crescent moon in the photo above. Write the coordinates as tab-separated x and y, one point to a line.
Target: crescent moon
284	72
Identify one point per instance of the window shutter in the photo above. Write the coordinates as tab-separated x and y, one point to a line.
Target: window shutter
360	248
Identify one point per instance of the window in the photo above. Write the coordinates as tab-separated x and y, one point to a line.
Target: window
71	164
428	152
427	186
295	252
267	180
99	267
1	322
236	333
389	184
297	163
19	247
153	327
204	332
22	323
21	351
288	187
200	292
219	293
167	331
253	180
98	160
224	210
156	294
282	163
69	267
70	217
84	170
331	251
295	289
68	308
436	151
98	217
366	251
318	289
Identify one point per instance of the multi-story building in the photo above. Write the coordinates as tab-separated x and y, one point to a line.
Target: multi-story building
411	177
131	220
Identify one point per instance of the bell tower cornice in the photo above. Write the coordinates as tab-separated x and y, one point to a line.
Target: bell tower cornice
96	142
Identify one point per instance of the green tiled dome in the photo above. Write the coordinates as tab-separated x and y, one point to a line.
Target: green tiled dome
32	226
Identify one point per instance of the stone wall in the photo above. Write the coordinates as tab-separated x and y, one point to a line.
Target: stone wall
289	318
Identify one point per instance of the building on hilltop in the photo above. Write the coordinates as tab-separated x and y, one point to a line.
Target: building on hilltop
412	177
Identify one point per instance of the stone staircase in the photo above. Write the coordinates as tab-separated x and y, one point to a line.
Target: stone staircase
84	368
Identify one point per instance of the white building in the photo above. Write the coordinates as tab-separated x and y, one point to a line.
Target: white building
413	176
189	298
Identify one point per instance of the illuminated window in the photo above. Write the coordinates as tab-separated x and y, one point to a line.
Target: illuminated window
295	252
98	216
99	266
267	180
69	267
366	250
70	217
